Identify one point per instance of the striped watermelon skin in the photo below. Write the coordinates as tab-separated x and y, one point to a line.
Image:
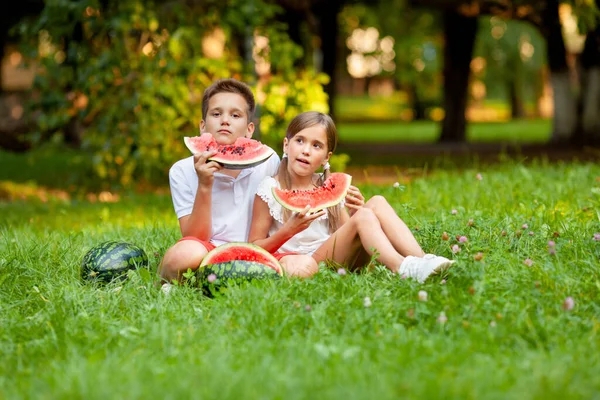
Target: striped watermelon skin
111	260
235	272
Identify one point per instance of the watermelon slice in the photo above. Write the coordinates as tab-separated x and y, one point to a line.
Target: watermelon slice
243	153
332	192
241	252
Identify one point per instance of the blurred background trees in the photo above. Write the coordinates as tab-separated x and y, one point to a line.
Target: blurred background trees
123	80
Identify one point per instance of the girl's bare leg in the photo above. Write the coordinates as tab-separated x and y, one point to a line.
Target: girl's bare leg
362	230
396	231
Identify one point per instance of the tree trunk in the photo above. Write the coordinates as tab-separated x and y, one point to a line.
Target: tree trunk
417	105
72	132
516	101
459	32
368	80
326	14
590	88
293	19
515	97
3	40
565	105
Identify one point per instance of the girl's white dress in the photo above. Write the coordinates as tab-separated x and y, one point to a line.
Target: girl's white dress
305	242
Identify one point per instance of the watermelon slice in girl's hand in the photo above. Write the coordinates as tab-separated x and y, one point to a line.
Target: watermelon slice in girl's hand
332	192
243	153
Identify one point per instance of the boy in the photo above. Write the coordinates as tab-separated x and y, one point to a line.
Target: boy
213	204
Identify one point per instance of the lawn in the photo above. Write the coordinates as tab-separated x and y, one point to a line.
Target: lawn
495	328
517	131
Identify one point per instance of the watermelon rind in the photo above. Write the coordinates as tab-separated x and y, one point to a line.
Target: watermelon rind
243	165
241	251
237	271
111	260
261	152
343	182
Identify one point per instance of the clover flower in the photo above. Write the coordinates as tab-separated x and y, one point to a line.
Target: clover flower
568	304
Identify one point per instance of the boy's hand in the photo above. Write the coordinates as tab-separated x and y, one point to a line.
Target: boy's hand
354	200
206	170
301	220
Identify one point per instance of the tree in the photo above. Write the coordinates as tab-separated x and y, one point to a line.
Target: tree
544	15
133	73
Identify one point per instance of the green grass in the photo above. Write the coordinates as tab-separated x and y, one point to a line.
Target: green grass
53	166
370	107
518	131
507	335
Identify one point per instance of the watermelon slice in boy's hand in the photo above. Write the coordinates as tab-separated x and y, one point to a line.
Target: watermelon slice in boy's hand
332	192
243	153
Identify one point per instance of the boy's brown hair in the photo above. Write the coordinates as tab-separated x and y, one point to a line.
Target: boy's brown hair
229	86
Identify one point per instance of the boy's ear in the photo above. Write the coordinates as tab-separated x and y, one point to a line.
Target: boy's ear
250	130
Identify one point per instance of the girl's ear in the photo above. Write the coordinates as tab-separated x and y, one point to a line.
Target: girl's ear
326	160
286	142
202	125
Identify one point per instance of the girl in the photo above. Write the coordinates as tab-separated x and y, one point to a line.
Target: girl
348	235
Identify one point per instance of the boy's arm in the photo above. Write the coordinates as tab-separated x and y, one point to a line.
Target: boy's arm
199	222
262	220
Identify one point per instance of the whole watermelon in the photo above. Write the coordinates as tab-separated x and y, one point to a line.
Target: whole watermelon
111	260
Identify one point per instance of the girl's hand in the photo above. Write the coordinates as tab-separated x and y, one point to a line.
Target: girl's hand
206	170
354	200
301	220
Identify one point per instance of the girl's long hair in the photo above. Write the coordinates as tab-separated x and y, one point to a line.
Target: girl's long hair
299	123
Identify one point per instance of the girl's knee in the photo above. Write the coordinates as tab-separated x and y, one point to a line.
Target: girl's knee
363	216
376	201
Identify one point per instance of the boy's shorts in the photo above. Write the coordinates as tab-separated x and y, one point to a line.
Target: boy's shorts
209	246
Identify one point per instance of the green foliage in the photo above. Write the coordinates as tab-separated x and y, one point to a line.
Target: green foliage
283	98
133	75
418	43
507	334
514	54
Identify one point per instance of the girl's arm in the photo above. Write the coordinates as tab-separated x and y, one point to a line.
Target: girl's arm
262	220
354	200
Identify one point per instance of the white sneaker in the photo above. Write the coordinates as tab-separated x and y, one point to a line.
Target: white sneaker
422	268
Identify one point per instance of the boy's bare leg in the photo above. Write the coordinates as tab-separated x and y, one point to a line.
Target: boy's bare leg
394	228
364	229
184	255
301	266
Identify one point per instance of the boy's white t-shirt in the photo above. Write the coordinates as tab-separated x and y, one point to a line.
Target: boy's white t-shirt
305	242
232	198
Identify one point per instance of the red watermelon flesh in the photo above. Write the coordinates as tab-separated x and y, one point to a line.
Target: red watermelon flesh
332	192
243	153
244	252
